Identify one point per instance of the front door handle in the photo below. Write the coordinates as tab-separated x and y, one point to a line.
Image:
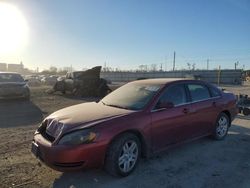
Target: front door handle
214	104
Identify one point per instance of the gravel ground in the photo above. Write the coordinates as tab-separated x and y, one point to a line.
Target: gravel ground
202	163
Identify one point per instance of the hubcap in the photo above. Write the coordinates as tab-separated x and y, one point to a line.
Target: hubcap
128	156
222	126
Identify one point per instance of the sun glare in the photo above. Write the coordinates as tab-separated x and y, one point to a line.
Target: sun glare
13	29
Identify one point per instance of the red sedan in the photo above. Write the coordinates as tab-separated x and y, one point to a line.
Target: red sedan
137	120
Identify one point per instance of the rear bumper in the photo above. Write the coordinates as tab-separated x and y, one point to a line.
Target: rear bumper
68	158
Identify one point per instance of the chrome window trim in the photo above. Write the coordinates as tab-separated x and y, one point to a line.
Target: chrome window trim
156	110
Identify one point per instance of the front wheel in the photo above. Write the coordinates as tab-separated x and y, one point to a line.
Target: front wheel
123	155
222	126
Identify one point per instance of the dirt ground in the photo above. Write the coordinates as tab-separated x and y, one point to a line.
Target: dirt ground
202	163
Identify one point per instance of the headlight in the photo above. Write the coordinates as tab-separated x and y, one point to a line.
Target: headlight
78	137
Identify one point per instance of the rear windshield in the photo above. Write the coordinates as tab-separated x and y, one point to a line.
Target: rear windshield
11	78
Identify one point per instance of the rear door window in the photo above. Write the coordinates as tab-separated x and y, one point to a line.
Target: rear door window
215	92
198	92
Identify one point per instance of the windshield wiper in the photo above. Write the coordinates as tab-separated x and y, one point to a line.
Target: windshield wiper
103	103
117	106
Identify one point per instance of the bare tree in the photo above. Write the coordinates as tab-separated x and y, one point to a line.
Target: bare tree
53	69
193	66
154	67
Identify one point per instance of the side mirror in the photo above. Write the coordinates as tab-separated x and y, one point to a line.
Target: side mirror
165	104
26	80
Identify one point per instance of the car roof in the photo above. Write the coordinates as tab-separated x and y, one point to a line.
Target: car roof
164	81
9	73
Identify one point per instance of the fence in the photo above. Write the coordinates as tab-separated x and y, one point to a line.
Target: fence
212	76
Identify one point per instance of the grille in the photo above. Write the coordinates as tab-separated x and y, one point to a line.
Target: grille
64	165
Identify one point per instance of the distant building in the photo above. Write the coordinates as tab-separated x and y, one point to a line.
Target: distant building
19	68
16	67
3	66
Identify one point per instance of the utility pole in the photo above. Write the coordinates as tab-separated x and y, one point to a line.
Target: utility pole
219	74
174	62
165	63
236	64
207	64
105	70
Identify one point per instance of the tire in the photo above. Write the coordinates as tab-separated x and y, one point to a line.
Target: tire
60	86
126	149
240	110
246	111
76	92
221	127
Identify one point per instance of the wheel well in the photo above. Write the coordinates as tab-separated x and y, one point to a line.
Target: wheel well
144	148
228	114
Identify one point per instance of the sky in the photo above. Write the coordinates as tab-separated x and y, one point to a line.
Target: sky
126	34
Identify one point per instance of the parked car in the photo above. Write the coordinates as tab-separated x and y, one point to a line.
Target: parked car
12	85
70	82
137	120
49	80
33	80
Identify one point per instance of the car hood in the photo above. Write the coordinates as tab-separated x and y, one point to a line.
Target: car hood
83	115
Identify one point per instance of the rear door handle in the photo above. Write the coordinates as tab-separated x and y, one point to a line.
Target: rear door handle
185	110
214	104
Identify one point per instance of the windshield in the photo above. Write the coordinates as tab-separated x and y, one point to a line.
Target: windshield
11	78
131	96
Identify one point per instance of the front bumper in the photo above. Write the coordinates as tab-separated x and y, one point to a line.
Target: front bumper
234	111
14	96
67	158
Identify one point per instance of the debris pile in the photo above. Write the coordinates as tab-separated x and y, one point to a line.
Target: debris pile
243	104
84	83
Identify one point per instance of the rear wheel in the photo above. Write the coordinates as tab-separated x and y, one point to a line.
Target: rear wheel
123	155
221	128
246	111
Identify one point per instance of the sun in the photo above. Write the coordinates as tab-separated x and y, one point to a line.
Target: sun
13	29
